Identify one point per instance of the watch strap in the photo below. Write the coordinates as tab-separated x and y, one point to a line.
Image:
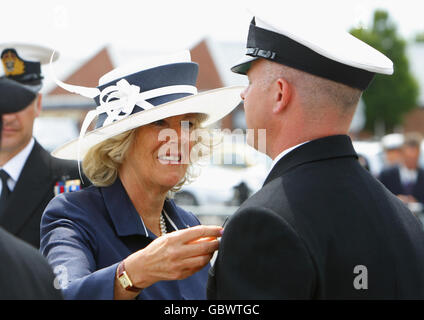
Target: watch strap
124	279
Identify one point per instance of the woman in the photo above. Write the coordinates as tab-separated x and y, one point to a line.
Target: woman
123	238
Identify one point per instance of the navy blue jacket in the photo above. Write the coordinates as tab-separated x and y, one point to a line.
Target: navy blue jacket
85	235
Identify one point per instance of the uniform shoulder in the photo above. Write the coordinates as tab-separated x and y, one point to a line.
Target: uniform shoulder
11	245
20	257
68	170
269	196
256	222
70	166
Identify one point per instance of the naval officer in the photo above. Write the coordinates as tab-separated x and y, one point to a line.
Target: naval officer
321	227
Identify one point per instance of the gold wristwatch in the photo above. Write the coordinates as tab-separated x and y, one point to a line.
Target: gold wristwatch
125	280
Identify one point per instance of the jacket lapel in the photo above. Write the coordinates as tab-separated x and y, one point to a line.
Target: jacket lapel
124	216
34	183
315	150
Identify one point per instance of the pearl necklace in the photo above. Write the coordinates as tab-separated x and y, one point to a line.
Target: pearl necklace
162	225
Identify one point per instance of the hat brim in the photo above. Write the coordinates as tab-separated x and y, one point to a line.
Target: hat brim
214	104
243	65
15	96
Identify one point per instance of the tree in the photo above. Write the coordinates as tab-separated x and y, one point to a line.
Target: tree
388	98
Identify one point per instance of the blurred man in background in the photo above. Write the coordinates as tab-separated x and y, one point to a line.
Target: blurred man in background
28	174
406	180
392	146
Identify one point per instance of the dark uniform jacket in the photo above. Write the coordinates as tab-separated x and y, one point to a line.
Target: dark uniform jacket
24	272
320	228
32	193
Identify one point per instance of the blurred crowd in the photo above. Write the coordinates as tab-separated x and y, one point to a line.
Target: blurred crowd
401	172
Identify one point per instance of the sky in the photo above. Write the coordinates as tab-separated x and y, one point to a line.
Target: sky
78	28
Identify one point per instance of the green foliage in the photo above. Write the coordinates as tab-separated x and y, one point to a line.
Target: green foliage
388	98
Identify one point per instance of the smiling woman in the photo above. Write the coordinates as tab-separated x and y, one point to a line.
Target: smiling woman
123	238
161	162
102	162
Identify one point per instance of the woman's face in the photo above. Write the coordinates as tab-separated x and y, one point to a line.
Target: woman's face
159	154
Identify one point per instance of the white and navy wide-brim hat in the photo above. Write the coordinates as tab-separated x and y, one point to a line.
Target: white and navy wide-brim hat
131	97
290	38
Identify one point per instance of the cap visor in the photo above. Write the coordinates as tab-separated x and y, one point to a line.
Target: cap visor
14	96
243	65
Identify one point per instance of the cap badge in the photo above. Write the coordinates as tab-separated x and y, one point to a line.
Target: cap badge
13	65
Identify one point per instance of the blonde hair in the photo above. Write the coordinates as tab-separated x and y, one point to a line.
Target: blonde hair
102	162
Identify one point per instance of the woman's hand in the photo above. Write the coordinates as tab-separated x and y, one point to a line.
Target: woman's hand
174	256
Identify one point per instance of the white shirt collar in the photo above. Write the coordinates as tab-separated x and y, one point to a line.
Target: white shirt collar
406	175
283	153
166	217
15	165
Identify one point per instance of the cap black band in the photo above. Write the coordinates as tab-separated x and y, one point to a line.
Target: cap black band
276	47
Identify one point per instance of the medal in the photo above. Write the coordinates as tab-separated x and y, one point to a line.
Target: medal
67	186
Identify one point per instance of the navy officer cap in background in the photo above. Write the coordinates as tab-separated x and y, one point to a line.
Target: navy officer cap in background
22	79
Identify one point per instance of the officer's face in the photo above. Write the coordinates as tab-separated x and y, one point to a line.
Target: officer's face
256	98
159	155
411	155
17	127
393	156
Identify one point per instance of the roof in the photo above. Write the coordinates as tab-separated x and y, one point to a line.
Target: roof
88	73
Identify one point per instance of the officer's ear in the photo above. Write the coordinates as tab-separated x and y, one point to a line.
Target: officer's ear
283	95
38	104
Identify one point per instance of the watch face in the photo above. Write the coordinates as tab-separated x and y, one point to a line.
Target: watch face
125	281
